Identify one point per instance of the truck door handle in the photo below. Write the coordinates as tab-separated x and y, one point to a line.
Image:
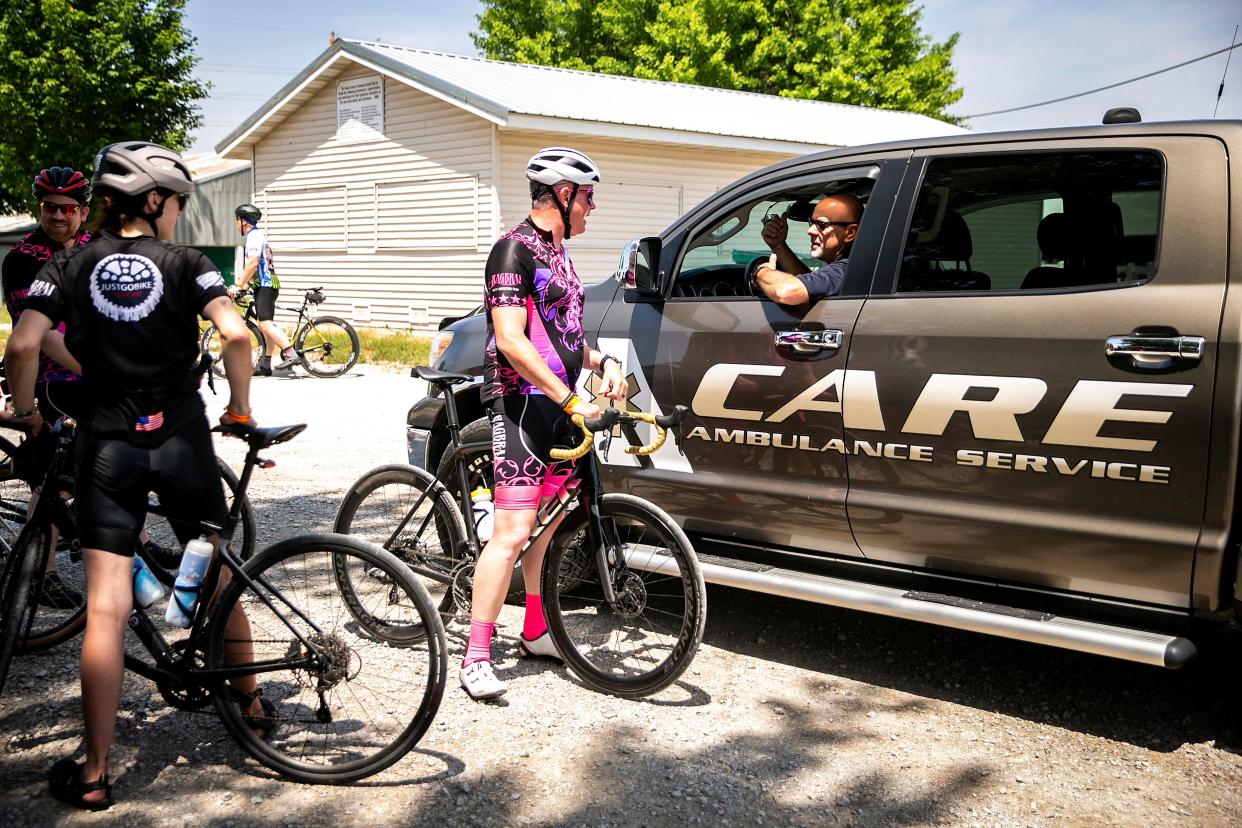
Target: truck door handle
1158	347
810	341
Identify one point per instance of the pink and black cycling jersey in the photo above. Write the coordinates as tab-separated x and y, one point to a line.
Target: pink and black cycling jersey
526	271
21	265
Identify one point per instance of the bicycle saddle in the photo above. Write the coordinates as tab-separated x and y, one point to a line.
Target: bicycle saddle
444	379
261	438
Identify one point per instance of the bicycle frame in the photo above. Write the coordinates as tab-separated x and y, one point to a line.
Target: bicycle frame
585	480
173	666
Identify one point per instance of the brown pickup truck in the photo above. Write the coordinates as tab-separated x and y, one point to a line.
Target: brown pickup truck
1019	416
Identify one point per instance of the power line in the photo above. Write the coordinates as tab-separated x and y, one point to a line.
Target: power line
1110	86
247	25
1220	90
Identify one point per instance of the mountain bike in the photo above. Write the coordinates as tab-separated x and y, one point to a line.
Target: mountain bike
56	622
328	345
622	589
347	703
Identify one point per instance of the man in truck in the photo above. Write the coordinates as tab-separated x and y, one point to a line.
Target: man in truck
832	229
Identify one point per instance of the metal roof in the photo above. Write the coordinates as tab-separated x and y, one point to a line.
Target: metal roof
518	95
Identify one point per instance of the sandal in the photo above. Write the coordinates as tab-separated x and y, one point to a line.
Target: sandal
65	781
268	722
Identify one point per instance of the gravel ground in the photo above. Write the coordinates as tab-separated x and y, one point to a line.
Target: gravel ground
792	714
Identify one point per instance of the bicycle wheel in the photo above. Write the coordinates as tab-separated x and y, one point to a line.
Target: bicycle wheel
60	613
641	644
21	581
431	542
210	343
347	706
165	555
328	346
14	495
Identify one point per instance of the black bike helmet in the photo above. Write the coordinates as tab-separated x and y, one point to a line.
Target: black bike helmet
65	181
248	212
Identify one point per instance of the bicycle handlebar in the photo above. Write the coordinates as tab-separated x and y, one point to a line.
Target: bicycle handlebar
611	417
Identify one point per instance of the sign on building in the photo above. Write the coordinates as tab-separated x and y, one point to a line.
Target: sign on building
360	109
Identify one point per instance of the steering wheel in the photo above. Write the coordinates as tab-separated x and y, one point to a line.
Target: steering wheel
748	276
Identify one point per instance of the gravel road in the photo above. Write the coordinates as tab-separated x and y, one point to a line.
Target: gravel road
792	714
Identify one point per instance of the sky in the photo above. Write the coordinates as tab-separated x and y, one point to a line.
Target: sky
1009	53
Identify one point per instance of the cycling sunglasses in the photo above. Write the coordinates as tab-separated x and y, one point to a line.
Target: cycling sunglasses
52	207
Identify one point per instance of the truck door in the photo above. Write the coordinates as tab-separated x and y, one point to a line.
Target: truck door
1049	334
765	382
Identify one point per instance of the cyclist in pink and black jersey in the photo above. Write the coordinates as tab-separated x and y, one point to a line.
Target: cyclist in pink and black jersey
61	193
535	351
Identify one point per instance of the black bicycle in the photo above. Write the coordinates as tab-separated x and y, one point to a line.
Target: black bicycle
328	345
622	589
60	613
347	703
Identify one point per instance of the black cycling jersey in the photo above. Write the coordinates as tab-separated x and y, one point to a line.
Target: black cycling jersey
21	265
524	270
131	307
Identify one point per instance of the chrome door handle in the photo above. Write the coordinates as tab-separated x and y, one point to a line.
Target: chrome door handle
810	341
1158	347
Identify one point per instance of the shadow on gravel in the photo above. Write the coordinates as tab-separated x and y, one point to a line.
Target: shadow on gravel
780	774
1145	706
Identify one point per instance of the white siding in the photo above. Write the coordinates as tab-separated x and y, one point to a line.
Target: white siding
645	188
397	230
398	227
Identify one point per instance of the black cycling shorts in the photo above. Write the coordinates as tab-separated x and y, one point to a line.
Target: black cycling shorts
116	478
265	303
524	429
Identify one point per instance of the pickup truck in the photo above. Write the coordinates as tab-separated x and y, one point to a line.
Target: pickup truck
1019	416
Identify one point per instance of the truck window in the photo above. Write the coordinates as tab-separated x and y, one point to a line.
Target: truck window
1034	221
715	260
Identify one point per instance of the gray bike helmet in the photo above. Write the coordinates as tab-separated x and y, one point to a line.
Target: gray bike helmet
248	212
135	167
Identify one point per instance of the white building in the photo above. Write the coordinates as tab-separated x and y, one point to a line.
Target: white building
386	173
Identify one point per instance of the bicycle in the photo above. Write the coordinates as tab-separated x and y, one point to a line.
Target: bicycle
622	589
53	625
328	345
348	704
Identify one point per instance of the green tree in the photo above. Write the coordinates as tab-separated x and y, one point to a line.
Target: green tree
77	75
865	52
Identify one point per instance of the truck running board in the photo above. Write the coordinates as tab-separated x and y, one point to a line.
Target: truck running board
1142	646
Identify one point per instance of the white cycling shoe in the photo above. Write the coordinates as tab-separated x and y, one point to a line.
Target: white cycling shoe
480	682
542	647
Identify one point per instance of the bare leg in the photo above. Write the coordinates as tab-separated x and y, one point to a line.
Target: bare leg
109	581
275	337
495	564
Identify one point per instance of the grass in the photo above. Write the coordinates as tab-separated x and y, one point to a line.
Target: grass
393	348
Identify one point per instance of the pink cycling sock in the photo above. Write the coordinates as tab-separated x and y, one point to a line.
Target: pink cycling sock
533	624
480	646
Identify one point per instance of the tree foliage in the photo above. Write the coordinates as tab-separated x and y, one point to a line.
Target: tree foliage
865	52
75	75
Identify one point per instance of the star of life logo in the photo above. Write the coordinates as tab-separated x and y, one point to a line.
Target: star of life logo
125	287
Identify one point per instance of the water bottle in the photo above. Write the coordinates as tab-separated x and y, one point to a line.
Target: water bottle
147	590
185	589
483	509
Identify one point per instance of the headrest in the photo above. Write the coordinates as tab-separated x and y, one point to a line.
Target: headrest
952	243
1053	236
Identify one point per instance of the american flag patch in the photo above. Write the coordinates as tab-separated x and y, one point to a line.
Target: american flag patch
150	422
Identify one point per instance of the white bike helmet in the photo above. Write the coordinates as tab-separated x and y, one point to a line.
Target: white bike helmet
551	165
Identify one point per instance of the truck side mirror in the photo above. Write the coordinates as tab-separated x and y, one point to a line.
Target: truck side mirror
640	260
